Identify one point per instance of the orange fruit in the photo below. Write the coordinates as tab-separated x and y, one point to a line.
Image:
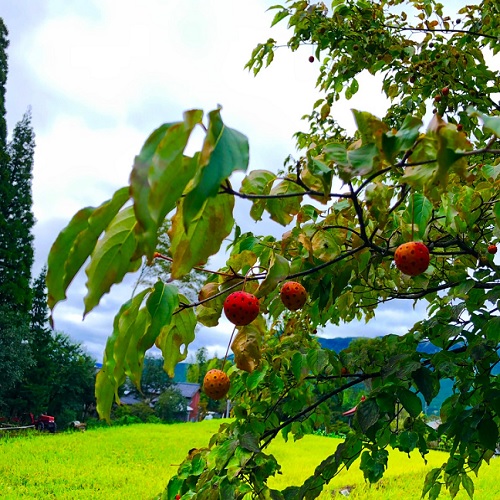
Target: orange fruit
293	295
412	258
216	384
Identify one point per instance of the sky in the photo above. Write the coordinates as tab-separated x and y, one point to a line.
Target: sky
101	75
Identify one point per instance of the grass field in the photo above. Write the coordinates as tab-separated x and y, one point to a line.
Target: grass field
135	462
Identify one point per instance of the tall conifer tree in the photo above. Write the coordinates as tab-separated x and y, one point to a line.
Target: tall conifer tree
16	239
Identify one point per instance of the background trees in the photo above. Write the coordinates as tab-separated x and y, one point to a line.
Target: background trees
16	222
427	171
42	371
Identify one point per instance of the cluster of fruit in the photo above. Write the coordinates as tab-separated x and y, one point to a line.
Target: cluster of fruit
241	308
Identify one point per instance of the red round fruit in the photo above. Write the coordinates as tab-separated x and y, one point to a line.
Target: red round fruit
311	59
460	127
216	384
241	308
412	258
492	249
293	295
445	90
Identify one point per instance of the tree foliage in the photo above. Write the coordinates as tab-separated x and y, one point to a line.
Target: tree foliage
60	378
426	171
16	250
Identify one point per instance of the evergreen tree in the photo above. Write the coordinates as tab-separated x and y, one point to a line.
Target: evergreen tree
61	379
4	43
16	219
16	251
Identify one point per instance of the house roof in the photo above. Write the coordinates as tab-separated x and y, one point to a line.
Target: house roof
186	389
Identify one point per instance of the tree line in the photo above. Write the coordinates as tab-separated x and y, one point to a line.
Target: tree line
42	370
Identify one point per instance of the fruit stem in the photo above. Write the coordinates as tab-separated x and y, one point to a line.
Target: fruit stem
227	350
412	215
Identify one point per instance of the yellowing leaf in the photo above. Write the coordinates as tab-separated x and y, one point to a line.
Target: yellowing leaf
279	269
179	332
224	151
204	236
246	348
112	258
160	307
159	176
75	243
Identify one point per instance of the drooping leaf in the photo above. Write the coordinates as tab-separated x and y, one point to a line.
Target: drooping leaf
224	151
468	485
427	383
76	242
410	401
279	269
105	393
112	258
204	236
367	414
159	176
179	332
160	306
421	211
246	347
112	373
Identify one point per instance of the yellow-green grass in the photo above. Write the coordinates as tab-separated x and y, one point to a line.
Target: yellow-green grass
136	462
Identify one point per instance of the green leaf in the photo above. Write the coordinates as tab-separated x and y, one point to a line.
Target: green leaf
112	258
75	243
179	332
488	433
491	123
317	359
362	159
367	414
160	306
427	383
430	480
205	234
258	182
256	377
250	442
373	464
224	151
297	362
492	329
112	373
281	14
283	209
279	268
410	401
422	212
404	138
468	485
159	176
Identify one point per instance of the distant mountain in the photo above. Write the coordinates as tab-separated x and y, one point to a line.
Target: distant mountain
340	343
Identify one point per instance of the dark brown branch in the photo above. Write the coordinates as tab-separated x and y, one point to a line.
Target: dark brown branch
441	30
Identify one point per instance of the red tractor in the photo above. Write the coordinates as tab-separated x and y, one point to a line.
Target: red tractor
43	422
